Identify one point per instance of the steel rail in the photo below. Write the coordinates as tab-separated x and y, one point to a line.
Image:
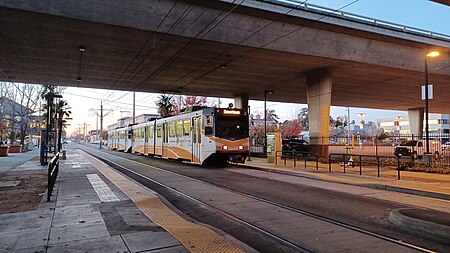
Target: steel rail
287	207
205	204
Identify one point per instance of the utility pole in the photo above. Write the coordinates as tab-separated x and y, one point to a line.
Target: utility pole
348	125
102	115
134	107
101	123
85	130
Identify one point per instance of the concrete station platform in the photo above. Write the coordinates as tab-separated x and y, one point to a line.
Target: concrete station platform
89	213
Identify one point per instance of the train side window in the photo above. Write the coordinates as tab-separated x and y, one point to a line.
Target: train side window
208	125
150	132
179	128
187	127
146	134
159	131
130	134
199	128
172	129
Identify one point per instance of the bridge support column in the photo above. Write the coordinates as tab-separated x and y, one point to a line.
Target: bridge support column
241	101
319	83
415	117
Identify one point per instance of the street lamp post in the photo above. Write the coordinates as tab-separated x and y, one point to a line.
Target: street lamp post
427	131
49	96
270	92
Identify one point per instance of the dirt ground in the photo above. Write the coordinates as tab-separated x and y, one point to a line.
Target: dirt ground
26	195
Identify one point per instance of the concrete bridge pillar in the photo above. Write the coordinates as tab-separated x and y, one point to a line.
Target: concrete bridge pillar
241	101
415	117
319	83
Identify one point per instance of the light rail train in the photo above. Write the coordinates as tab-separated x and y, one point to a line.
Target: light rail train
206	135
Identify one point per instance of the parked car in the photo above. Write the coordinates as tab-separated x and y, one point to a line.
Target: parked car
408	148
295	146
446	146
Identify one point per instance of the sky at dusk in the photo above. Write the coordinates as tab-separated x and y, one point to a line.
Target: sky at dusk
416	13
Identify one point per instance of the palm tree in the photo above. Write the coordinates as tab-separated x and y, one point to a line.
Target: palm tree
63	109
272	116
48	94
165	105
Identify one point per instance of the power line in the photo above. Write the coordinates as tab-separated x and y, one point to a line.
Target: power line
142	48
264	45
114	102
231	48
188	45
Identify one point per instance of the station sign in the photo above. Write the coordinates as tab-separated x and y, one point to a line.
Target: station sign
430	91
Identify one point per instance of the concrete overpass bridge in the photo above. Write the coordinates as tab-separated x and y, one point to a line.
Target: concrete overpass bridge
241	48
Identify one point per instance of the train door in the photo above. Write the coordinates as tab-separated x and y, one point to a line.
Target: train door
158	140
146	140
165	143
196	138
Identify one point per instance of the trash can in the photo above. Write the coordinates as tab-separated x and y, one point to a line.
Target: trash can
64	153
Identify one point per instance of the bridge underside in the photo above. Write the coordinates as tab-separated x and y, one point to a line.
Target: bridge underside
38	48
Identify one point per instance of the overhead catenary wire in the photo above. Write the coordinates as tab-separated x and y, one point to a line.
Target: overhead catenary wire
182	16
179	20
142	48
262	46
189	44
232	48
112	102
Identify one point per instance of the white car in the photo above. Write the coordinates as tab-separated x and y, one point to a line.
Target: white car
446	146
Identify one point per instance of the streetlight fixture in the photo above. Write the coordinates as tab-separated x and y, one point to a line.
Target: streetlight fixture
398	118
361	126
266	92
427	132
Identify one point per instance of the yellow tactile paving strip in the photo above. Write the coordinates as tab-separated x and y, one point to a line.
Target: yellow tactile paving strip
194	237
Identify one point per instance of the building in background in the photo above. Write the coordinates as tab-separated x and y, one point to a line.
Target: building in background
17	120
438	124
122	122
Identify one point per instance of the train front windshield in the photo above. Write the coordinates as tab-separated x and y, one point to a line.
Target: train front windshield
232	126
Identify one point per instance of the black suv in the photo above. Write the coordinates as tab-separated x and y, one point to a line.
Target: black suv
291	146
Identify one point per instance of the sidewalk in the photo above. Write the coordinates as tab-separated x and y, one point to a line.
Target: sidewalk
14	160
88	213
418	183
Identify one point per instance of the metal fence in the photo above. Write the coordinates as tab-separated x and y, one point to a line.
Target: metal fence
383	146
301	159
53	169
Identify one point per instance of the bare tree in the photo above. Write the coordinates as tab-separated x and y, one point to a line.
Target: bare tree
18	103
28	96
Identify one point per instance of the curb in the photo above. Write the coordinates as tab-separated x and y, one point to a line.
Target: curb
423	228
408	191
373	186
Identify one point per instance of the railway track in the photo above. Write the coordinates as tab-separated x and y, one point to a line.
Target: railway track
287	244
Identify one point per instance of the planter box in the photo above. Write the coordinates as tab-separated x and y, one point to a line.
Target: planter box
4	150
15	148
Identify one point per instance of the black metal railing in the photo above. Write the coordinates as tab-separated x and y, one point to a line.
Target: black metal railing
368	160
53	169
297	157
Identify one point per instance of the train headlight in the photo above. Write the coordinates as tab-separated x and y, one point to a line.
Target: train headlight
225	147
241	147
